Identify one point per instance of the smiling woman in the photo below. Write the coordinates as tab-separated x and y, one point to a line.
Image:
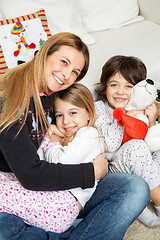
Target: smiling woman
63	67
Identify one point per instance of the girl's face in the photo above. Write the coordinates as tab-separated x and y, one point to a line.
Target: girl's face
118	91
70	118
63	67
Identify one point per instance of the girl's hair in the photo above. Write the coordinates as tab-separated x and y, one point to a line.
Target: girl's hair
131	68
21	83
79	96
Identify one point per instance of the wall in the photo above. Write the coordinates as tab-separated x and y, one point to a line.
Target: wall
150	9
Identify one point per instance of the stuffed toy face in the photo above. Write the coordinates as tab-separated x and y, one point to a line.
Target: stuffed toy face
143	94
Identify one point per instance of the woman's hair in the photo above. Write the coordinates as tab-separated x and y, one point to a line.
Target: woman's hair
79	96
131	68
21	83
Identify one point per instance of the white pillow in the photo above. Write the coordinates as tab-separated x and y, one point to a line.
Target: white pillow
99	15
62	15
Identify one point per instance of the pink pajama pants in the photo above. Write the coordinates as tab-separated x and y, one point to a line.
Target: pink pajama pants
52	211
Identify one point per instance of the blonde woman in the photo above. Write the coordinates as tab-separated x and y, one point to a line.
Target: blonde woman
25	96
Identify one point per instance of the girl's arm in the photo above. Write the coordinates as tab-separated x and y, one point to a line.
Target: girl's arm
86	146
22	159
108	127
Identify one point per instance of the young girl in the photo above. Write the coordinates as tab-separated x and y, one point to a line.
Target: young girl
119	75
56	211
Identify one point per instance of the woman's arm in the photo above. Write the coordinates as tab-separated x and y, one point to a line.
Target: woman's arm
34	174
86	146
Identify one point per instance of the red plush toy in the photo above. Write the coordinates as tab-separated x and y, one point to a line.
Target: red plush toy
134	128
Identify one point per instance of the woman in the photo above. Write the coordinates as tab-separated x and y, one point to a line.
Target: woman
26	93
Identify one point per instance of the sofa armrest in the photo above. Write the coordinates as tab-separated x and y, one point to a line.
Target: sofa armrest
150	10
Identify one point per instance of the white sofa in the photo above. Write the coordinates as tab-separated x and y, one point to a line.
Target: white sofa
140	39
109	27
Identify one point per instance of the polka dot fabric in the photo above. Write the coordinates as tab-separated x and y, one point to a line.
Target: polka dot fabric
52	211
135	157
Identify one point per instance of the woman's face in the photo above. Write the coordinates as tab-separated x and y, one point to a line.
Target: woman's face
118	91
63	67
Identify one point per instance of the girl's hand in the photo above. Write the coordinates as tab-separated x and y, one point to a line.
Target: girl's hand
132	113
56	138
151	113
100	164
53	130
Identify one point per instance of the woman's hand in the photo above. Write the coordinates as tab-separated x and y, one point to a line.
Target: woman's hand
100	164
151	113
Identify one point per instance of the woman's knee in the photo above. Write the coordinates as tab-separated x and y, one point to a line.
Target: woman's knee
138	184
13	227
139	190
130	184
10	225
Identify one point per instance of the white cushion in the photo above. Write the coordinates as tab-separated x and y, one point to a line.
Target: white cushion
62	15
35	31
99	15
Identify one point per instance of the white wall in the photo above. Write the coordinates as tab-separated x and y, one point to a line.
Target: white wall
150	9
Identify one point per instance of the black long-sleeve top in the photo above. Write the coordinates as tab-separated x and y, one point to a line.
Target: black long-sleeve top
19	155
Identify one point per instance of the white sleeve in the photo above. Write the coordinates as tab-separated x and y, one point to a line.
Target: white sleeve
40	151
108	127
83	148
